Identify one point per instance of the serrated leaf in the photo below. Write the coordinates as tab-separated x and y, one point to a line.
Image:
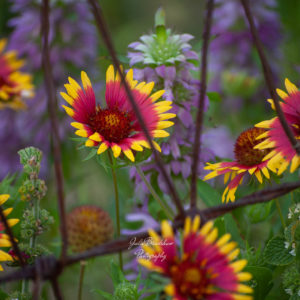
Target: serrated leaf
276	253
263	281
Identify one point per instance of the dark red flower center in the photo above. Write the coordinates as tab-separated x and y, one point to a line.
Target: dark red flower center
112	124
244	152
191	279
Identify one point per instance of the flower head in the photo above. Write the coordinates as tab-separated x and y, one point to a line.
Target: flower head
206	268
14	85
280	151
88	226
4	238
247	159
116	126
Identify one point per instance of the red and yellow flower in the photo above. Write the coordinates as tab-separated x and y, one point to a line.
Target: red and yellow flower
247	160
14	85
116	126
4	238
206	269
281	152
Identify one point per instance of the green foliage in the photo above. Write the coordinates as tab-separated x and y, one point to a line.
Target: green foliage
214	97
124	289
291	281
276	252
259	212
261	281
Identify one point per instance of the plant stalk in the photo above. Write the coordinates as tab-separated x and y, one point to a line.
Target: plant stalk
167	210
81	277
113	171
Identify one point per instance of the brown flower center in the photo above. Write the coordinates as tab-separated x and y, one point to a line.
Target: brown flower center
191	279
112	124
244	152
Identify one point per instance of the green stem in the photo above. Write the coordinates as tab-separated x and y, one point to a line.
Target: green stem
162	204
81	277
117	206
280	213
32	241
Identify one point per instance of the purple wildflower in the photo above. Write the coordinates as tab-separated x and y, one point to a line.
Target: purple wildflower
67	36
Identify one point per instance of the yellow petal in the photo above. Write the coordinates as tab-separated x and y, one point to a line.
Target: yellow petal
266	172
271	101
206	228
81	132
295	163
4	198
77	125
170	289
147	88
233	255
156	146
258	176
12	222
244	276
242	288
103	147
116	150
239	265
96	137
160	133
69	110
157	95
164	124
167	116
2	44
69	99
187	226
89	143
223	240
5	243
212	236
129	154
7	211
136	146
291	88
282	94
196	223
85	80
166	229
110	74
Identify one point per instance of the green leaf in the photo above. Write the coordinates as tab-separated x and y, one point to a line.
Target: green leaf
104	294
3	295
208	194
263	281
92	153
214	96
276	253
259	212
116	274
160	17
232	228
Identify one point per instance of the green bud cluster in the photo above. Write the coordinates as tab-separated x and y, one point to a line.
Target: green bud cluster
31	227
31	158
291	281
126	290
33	189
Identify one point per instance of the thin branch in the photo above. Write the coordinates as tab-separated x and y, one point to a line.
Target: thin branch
52	267
50	88
56	289
268	77
11	237
102	27
255	198
201	100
